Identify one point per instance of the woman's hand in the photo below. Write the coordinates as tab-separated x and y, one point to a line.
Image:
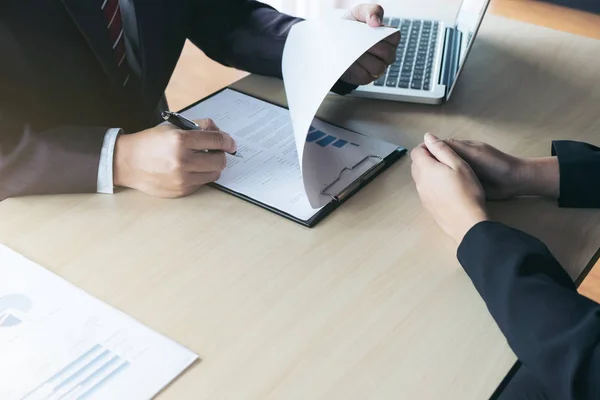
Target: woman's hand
448	187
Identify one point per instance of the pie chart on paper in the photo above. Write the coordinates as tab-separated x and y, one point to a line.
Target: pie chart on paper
12	308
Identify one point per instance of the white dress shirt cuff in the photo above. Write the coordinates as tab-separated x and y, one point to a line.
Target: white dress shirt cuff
105	170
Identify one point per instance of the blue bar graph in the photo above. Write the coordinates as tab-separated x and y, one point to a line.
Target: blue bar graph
340	143
90	366
102	369
101	383
314	136
93	351
82	376
326	141
96	375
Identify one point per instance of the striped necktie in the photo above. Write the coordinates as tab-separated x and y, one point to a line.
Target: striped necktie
114	24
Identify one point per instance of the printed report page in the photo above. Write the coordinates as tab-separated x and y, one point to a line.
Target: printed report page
58	342
269	171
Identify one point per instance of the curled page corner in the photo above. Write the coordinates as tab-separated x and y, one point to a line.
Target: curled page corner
316	55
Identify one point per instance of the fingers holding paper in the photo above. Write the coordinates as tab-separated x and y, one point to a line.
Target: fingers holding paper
374	62
371	14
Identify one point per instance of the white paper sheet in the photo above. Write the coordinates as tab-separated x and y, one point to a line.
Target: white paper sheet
316	55
270	170
58	342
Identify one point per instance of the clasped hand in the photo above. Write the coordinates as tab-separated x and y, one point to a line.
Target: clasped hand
454	178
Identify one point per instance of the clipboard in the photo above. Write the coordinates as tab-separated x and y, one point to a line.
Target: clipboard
337	199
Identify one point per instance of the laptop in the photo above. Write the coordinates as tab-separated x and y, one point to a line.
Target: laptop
430	57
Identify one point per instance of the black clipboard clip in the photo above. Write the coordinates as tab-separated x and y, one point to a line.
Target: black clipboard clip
358	182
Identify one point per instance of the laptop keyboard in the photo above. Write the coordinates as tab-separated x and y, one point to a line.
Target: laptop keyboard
414	57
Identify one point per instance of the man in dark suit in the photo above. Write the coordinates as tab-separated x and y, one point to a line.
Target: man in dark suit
553	330
77	75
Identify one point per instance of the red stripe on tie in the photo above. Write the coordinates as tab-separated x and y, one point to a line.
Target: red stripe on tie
120	50
109	9
114	26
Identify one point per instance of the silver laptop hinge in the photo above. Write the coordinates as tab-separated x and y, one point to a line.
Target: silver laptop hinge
450	57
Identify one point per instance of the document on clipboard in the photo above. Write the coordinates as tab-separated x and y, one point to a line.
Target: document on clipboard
337	162
296	165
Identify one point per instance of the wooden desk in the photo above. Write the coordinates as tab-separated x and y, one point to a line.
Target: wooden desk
371	303
207	76
549	15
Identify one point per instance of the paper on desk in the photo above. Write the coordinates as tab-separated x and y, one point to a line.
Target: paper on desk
270	170
316	55
58	342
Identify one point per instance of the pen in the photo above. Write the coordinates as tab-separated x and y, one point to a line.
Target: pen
186	124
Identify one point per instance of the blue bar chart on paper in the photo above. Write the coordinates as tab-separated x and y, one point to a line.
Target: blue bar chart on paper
324	140
82	377
59	343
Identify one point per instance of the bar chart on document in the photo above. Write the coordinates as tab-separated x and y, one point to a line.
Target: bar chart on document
84	370
322	139
59	343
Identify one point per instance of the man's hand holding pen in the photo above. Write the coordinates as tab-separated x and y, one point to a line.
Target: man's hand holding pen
176	159
167	161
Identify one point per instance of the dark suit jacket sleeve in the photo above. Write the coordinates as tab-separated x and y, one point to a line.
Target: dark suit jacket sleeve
579	174
553	330
245	34
61	160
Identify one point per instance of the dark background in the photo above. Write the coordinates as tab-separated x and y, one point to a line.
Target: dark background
585	5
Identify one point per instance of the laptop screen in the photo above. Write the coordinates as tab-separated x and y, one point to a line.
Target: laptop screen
468	20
